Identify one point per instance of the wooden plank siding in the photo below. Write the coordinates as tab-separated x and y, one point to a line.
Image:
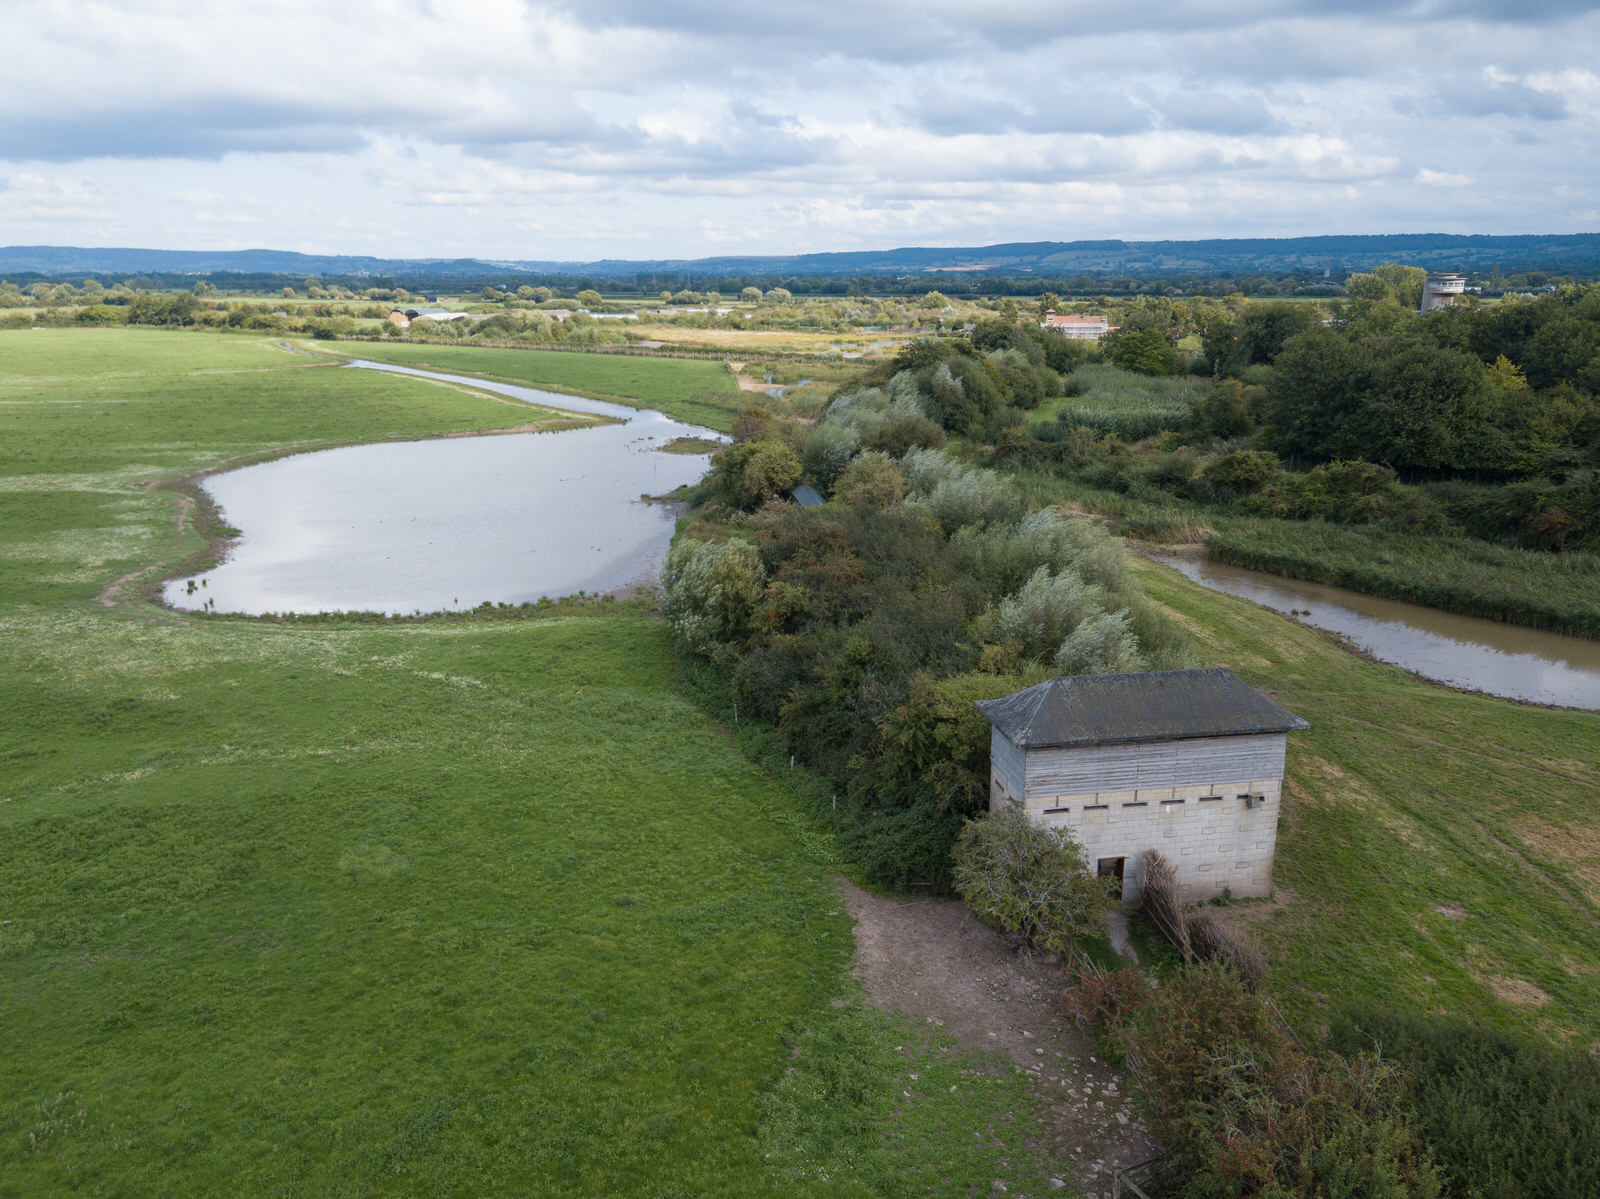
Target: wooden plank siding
1007	767
1147	765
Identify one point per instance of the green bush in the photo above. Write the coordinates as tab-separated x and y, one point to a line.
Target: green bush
1242	472
1507	1117
709	590
1242	1110
1023	878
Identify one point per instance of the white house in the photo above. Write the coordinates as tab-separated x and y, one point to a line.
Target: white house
1187	762
1079	328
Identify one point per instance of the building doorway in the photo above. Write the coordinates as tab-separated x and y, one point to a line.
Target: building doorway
1112	868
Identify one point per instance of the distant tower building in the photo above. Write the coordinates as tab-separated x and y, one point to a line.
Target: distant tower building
1441	289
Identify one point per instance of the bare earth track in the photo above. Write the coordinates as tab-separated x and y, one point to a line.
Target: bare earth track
930	960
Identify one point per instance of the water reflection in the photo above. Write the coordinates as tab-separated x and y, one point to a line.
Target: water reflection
1464	651
449	523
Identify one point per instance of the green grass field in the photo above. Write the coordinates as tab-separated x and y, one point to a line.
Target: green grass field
695	390
1437	850
453	908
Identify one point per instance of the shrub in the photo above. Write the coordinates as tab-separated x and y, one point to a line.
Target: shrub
1198	936
1043	612
1211	938
1004	559
1242	472
1102	644
709	589
749	473
905	847
972	498
1107	1002
828	450
1025	879
1085	547
936	744
1243	1110
926	469
897	433
871	481
1508	1117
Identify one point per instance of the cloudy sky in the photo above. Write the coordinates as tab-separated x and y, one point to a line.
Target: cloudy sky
664	128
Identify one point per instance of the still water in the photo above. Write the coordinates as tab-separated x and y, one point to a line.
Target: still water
1464	651
427	526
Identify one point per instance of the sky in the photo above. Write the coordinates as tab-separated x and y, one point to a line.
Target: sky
573	131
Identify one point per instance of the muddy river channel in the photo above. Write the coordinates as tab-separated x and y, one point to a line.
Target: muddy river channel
1463	651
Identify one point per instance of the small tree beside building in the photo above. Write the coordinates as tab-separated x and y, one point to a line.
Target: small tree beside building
1034	882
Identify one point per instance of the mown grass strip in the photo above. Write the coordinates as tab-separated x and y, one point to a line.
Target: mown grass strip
692	390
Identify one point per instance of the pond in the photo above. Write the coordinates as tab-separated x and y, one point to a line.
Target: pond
1463	651
446	524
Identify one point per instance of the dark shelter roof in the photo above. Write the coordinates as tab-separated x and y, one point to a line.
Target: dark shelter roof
807	496
1158	705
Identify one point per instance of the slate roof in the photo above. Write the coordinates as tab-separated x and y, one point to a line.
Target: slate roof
1158	705
807	496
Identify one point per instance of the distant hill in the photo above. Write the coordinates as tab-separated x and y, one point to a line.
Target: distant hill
78	260
1577	253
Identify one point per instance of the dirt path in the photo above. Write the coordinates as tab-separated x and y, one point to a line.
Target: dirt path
929	960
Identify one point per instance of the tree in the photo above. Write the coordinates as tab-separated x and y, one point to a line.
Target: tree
1145	351
1389	283
1029	880
750	295
590	298
750	473
709	590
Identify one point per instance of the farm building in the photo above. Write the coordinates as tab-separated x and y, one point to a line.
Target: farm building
1186	762
1079	328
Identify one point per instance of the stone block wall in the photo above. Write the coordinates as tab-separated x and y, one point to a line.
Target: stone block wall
1214	838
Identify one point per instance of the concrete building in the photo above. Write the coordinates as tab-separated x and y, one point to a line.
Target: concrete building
1187	762
1440	290
1079	328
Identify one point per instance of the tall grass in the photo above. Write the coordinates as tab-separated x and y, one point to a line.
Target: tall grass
1560	592
1108	399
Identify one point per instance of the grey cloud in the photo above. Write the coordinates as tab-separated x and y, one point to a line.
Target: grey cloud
1521	12
747	141
1218	112
204	129
920	30
1488	98
948	113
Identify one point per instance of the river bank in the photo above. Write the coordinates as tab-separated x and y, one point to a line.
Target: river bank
1464	652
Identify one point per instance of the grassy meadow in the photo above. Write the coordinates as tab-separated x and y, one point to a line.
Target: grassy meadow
469	907
1437	850
695	390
